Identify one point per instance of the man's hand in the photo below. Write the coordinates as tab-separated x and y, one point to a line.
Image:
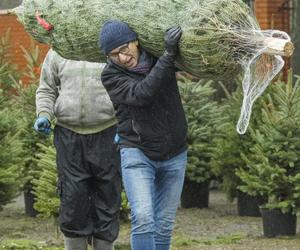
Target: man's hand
172	38
42	125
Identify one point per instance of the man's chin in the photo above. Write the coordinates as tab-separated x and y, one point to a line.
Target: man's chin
131	65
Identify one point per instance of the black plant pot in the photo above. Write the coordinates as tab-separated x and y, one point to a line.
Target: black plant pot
276	223
249	205
195	194
29	200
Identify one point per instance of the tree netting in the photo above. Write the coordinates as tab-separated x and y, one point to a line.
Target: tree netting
220	37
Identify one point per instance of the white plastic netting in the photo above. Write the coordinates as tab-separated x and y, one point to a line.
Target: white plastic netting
259	70
220	37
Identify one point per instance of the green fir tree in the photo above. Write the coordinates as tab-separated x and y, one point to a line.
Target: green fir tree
45	187
24	101
273	168
8	70
10	154
202	114
229	145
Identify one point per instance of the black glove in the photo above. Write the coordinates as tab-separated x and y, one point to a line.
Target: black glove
172	38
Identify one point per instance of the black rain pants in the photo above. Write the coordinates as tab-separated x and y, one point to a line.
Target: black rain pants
89	183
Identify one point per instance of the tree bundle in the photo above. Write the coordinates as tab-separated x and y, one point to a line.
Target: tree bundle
211	45
219	36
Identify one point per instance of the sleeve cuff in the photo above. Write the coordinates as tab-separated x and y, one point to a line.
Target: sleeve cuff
45	114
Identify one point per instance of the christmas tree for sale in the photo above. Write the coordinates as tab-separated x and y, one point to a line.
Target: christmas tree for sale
8	69
229	145
45	187
203	114
24	101
274	165
220	37
11	154
24	104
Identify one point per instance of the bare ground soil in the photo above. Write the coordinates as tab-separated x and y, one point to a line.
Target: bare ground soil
215	228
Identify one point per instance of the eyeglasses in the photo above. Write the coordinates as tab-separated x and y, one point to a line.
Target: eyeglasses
123	50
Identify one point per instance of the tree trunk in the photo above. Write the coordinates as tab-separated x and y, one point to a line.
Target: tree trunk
29	200
277	46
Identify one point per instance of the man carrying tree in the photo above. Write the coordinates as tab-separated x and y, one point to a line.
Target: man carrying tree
152	130
88	165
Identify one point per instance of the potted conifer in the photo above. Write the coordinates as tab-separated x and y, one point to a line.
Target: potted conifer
201	112
11	153
11	150
229	146
24	101
273	168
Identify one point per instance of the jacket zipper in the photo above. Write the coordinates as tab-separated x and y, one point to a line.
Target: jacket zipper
135	130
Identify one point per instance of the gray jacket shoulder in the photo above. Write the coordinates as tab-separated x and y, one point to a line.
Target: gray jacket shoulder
72	92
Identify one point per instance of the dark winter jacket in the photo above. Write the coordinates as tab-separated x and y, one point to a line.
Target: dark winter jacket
148	108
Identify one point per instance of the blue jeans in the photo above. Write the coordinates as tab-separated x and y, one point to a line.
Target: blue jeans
153	189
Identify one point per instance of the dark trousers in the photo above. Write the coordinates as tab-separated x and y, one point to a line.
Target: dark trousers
89	183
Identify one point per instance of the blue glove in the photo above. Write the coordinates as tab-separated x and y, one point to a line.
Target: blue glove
42	125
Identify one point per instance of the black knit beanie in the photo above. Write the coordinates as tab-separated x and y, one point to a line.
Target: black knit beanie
114	34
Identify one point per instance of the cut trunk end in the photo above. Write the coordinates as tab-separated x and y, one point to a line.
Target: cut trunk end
16	11
277	46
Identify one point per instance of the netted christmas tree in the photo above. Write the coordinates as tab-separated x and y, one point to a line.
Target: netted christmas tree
219	38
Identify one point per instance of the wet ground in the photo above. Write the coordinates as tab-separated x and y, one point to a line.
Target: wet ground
216	228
